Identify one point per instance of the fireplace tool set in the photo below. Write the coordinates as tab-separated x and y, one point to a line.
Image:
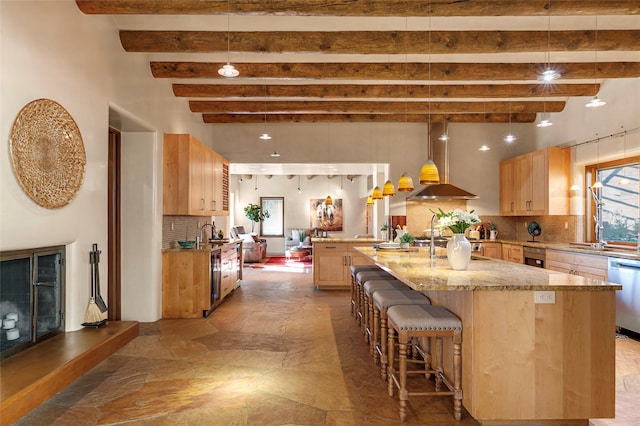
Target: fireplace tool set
93	317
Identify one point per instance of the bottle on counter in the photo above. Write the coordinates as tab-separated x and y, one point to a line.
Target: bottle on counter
483	233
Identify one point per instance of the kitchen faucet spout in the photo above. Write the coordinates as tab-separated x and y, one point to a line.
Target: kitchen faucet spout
199	238
432	245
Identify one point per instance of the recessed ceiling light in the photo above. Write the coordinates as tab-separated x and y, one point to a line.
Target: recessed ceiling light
550	75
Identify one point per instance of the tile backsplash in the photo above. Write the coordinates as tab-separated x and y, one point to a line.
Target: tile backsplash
178	228
555	229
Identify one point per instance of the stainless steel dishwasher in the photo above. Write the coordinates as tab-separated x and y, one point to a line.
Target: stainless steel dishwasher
627	273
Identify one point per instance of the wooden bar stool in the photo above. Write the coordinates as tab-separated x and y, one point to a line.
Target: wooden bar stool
361	278
382	301
424	321
369	288
354	293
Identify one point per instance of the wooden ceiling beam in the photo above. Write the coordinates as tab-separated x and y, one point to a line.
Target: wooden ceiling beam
383	90
380	42
398	71
368	118
362	8
369	107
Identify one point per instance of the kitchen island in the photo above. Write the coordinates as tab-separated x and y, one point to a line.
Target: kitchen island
536	345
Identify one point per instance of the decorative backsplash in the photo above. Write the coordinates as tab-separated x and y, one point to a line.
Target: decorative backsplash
179	228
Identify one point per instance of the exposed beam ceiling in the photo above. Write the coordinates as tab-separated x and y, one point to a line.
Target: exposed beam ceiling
378	60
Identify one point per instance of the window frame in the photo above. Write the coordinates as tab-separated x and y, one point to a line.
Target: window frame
273	216
589	203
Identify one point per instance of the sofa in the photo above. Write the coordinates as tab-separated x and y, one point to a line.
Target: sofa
254	249
292	238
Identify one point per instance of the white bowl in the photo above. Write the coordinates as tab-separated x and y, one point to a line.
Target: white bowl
389	245
13	334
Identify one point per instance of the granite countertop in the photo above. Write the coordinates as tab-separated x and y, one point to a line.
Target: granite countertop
346	240
212	245
421	272
584	248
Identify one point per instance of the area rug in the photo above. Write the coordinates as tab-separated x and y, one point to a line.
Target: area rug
281	263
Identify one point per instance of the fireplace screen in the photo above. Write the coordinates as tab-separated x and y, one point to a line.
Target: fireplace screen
31	297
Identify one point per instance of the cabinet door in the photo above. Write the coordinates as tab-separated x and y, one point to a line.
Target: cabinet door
492	250
208	180
196	173
538	187
330	265
512	253
507	202
522	184
219	182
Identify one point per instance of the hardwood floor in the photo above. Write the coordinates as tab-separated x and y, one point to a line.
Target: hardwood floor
276	352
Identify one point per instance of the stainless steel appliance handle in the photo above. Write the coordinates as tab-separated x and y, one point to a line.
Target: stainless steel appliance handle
626	265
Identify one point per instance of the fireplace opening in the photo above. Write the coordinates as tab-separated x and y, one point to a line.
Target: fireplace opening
31	297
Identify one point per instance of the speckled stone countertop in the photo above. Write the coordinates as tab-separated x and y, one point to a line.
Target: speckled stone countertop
611	251
346	240
421	272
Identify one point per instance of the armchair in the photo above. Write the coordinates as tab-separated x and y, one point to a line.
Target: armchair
254	249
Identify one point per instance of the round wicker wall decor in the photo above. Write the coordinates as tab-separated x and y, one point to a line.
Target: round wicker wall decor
47	153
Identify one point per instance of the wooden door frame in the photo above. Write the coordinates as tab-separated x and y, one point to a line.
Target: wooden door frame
114	268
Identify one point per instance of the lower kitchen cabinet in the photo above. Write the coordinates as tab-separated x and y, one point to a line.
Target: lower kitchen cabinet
492	250
332	263
512	253
585	265
229	270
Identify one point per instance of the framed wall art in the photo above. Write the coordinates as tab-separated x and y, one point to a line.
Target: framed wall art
327	218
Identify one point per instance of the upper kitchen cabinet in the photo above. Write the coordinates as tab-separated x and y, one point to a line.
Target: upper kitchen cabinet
193	178
535	184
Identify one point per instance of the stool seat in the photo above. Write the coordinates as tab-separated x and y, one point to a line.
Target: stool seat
364	276
370	287
421	318
424	321
354	269
361	278
382	300
355	293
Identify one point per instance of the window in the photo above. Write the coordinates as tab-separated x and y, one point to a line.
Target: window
617	203
273	226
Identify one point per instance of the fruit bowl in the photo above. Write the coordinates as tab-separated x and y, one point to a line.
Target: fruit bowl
186	244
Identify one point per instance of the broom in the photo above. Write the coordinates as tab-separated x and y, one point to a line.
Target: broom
93	315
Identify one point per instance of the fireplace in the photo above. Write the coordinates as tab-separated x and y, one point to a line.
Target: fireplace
31	297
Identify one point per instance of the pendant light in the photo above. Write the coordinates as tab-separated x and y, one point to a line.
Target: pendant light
265	136
429	172
595	102
549	74
405	183
228	70
328	201
510	138
545	120
388	190
376	194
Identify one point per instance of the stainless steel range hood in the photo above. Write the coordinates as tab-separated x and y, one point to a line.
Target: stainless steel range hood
441	191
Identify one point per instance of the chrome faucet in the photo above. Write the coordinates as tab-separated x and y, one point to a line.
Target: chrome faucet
199	237
432	245
597	220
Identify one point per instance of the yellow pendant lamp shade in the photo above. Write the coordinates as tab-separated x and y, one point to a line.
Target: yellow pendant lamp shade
429	174
377	193
328	201
405	184
388	189
369	200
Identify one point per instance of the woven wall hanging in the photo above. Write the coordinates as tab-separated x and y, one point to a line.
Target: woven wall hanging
47	153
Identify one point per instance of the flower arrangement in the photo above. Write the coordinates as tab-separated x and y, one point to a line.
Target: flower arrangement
407	238
457	220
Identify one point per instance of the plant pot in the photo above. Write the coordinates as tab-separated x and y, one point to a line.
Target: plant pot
459	252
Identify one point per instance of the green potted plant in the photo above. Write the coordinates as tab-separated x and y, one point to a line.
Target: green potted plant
255	214
384	231
406	240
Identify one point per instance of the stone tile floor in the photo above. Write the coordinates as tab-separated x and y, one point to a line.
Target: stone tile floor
277	352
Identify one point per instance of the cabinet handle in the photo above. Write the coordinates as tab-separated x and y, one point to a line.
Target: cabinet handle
512	206
202	199
509	253
330	247
344	260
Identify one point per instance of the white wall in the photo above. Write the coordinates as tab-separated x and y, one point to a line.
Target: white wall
578	124
51	50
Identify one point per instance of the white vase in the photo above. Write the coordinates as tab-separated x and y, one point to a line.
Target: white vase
459	252
384	235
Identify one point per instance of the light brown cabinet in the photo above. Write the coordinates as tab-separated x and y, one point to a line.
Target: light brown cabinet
229	268
332	264
185	284
512	253
585	265
492	250
535	184
193	178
